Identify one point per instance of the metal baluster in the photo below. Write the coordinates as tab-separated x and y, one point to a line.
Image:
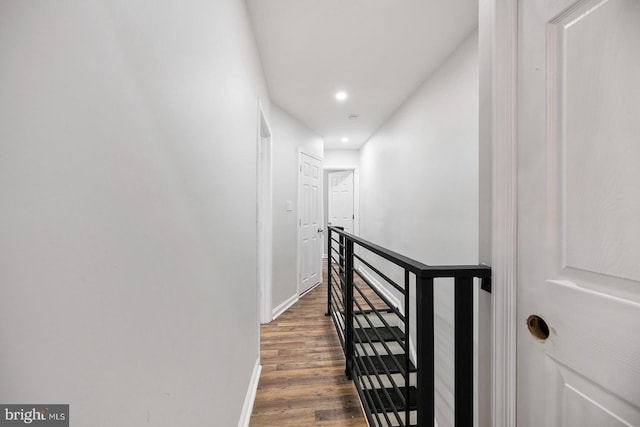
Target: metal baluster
329	244
349	307
463	351
407	340
425	348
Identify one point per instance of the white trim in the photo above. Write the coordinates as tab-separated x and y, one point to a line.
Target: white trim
264	209
250	397
284	306
504	64
309	290
413	353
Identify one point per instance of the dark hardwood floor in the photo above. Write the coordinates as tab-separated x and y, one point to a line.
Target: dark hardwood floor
302	382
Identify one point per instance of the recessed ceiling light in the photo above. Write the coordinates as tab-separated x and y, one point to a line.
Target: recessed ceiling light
345	139
341	96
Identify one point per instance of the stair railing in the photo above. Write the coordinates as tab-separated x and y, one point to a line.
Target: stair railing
374	330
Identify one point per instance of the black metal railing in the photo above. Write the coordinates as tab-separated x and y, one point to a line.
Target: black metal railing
375	331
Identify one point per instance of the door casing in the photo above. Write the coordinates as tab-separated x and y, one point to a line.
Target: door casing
499	18
264	210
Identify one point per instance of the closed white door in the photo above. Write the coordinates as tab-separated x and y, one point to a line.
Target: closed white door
341	200
310	258
578	345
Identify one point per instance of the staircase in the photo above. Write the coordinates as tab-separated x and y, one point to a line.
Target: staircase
388	387
380	360
374	331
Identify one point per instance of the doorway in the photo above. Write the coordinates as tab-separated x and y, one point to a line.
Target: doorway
309	222
354	172
340	209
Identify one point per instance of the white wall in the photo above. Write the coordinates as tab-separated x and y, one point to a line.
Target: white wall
335	160
419	188
341	159
128	221
289	136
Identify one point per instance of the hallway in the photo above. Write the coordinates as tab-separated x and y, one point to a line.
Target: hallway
302	382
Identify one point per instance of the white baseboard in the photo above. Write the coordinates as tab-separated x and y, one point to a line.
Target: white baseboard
413	355
284	307
309	290
250	398
364	271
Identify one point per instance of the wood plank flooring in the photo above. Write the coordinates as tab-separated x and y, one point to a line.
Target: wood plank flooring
302	382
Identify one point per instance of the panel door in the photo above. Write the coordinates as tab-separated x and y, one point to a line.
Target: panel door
578	213
310	215
341	200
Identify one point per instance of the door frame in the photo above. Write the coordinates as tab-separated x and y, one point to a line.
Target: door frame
499	18
264	213
301	152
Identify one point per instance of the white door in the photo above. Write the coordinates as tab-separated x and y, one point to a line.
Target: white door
341	200
310	258
578	213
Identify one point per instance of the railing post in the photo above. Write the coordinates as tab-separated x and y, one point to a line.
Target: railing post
328	313
463	331
425	351
341	250
348	306
407	354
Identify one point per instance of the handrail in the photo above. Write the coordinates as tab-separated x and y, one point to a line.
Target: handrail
368	350
417	267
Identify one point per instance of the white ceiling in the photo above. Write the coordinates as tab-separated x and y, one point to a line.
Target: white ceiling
378	51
